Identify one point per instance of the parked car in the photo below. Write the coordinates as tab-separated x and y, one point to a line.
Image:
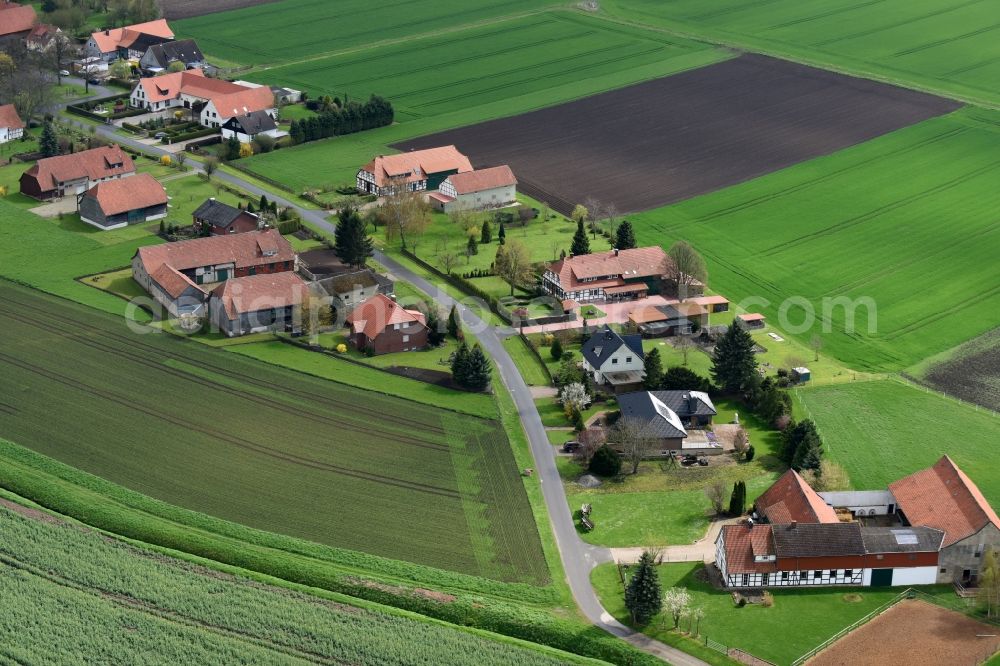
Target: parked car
63	72
160	135
691	459
570	446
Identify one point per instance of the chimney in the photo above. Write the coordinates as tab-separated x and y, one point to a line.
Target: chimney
616	252
211	198
793	525
107	32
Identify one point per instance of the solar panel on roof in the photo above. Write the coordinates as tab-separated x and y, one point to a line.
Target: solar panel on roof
905	537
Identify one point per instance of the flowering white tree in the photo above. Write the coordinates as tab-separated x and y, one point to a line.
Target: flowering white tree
676	602
574	396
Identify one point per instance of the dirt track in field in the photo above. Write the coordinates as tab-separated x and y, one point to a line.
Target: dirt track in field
673	138
914	633
182	9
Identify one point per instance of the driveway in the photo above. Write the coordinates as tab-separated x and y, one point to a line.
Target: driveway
702	550
54	208
615	313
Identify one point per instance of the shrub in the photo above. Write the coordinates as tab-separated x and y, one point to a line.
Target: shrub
748	456
165	160
605	462
341	348
768	599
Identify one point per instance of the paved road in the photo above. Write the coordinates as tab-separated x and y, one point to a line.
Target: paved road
578	557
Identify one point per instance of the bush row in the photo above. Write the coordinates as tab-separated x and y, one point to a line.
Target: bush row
193	134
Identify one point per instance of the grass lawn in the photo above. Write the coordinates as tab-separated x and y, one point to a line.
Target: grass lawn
117	282
591	312
533	371
872	245
883	430
767	633
938	45
291	112
666	505
464	77
363	461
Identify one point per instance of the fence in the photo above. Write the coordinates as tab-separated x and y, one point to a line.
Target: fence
745	657
717	646
916	383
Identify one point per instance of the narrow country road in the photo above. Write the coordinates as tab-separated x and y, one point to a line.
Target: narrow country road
578	557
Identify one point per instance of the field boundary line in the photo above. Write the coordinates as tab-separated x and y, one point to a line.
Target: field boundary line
905	594
910	380
736	44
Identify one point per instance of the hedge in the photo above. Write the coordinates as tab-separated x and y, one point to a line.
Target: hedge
194	134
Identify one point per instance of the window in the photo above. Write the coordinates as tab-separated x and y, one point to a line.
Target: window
848	573
406	338
746	579
784	575
766	578
614	361
628	359
831	573
944	570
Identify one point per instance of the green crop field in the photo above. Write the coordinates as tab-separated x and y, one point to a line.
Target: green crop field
881	431
947	45
66	591
263	446
296	29
907	220
440	82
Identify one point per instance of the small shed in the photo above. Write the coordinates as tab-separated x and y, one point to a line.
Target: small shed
801	374
751	320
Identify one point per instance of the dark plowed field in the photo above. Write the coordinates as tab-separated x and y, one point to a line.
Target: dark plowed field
673	138
182	9
973	374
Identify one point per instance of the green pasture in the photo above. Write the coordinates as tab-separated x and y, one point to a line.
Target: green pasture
469	76
944	45
290	30
903	226
881	431
260	445
68	590
816	614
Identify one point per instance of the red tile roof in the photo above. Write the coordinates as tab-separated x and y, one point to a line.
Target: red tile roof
709	300
15	18
243	101
640	262
944	498
482	179
415	165
753	316
791	499
261	292
109	40
125	194
172	281
378	313
9	117
94	164
742	543
243	250
190	82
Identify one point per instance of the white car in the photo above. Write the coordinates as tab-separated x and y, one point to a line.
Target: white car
63	72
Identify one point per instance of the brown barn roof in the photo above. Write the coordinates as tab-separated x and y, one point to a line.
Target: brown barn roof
125	194
415	165
944	498
634	263
482	179
172	281
243	250
818	540
791	499
109	40
93	164
378	313
15	18
261	292
9	117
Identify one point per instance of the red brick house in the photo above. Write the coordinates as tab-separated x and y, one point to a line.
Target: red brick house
224	219
173	273
382	326
266	302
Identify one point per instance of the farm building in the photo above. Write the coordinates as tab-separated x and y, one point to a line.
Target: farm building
213	100
416	171
11	125
54	177
16	20
939	506
618	275
286	95
752	320
614	359
43	37
654	321
348	290
249	126
382	326
159	57
173	273
810	554
257	303
480	189
222	219
658	421
130	42
943	497
118	203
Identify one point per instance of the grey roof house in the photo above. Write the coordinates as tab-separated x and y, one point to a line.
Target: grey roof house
652	411
224	219
614	359
158	57
251	125
348	290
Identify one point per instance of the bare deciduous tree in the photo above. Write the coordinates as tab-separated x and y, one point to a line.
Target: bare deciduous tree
684	345
447	260
718	495
816	342
513	264
741	441
404	212
633	438
688	267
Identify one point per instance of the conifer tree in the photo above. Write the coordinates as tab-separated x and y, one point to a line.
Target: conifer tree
352	243
737	502
809	452
502	235
625	236
460	365
49	143
486	233
642	596
478	373
454	323
556	349
653	366
733	362
581	243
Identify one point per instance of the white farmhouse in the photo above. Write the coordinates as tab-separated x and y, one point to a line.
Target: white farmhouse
481	189
11	125
614	359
